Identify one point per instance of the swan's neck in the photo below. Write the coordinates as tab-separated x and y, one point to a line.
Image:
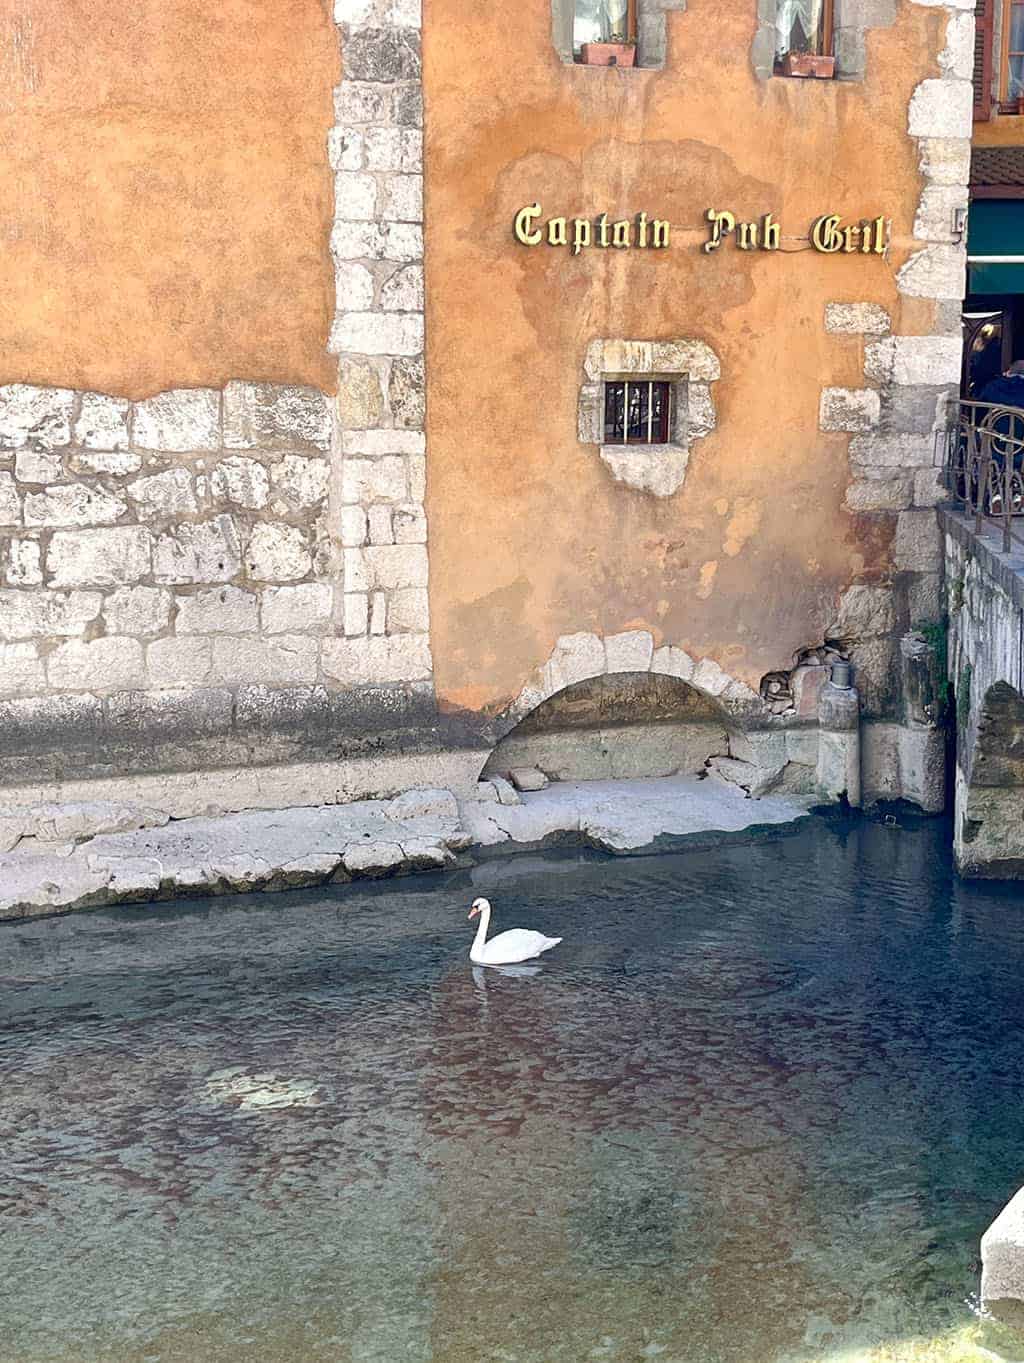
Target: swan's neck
481	932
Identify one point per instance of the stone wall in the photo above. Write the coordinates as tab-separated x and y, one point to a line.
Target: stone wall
172	593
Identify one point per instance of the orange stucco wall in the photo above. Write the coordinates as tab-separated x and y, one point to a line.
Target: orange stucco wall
530	536
165	197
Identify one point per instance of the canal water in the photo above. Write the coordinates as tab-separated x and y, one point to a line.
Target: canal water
757	1108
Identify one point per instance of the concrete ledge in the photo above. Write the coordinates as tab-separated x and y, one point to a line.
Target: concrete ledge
1007	570
1002	1257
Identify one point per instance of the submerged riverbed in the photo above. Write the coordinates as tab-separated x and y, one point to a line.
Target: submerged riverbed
757	1108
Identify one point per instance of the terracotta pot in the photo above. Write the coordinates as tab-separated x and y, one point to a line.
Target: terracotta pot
608	54
808	64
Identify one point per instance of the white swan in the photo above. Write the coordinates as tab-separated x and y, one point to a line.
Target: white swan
508	948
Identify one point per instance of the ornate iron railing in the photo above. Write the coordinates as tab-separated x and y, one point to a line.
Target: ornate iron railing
984	464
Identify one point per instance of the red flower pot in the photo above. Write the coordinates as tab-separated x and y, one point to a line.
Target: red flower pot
608	54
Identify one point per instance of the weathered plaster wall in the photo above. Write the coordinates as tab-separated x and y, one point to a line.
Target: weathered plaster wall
165	197
531	536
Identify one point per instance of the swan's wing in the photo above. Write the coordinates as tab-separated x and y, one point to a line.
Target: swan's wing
518	944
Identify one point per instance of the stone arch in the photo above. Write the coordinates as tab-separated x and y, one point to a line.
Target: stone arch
580	657
989	830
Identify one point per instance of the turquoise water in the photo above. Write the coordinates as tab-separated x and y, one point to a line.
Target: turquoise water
757	1108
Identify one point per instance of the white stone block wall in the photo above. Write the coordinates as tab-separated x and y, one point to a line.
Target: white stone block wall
376	150
180	541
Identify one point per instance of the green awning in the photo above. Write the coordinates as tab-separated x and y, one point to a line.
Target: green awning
995	228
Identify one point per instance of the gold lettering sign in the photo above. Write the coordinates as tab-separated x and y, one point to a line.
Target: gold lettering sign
828	234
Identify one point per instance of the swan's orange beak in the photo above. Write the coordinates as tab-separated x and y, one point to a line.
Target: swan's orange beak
473	913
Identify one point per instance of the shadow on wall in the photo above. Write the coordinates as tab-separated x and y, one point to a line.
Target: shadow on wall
626	724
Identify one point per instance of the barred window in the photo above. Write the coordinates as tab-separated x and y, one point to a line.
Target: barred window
637	412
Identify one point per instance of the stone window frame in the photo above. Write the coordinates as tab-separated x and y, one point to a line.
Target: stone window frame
690	366
651	37
851	21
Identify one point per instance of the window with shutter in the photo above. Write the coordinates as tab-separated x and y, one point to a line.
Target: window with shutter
983	25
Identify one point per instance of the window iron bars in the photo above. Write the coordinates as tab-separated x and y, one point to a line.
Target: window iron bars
637	412
984	465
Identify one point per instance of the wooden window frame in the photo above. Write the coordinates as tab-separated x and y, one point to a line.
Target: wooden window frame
1006	104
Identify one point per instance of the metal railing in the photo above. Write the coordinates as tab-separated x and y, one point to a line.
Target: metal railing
984	462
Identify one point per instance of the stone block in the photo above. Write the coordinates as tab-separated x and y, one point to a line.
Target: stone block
180	421
864	612
408	106
10	502
362	102
945	160
407	392
346	149
137	611
379	614
528	778
270	415
21	671
409	611
701	417
353	287
935	272
691	358
417	466
912	411
709	677
356	571
112	557
207	551
370	480
383	55
396	565
24	563
40	615
941	108
935	214
575	658
360	394
219	610
857	319
405	13
357	241
893	451
375	444
102	423
402	241
180	662
164	494
930	487
673	662
356	613
879	360
880	494
305	609
303	481
373	859
378	333
241	481
378	519
369	661
277	553
918	544
38	466
355	196
73	504
403	292
353	526
402	200
590	415
806	684
630	651
285	660
409	525
849	409
114	663
117	462
37	417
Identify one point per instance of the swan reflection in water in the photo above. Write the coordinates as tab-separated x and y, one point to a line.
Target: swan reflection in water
480	973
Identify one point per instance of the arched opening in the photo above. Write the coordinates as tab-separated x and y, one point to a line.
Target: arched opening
989	829
614	726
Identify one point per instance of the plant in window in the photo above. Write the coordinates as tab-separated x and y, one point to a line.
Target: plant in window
803	38
604	32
